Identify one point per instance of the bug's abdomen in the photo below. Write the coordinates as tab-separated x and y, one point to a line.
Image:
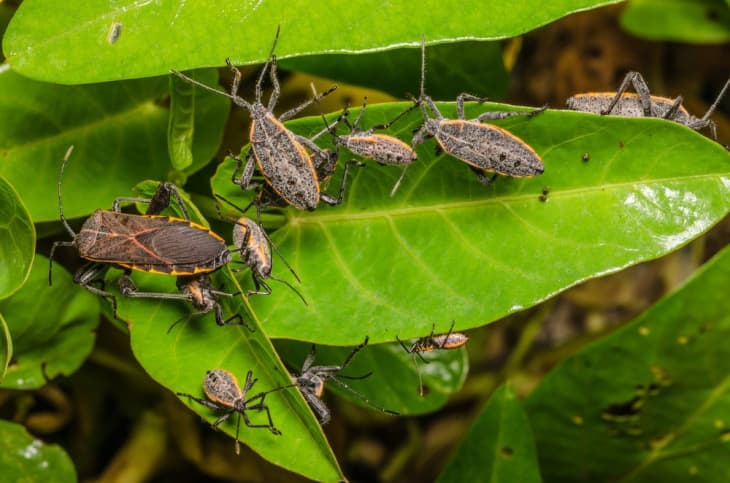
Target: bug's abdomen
285	163
382	148
489	148
628	105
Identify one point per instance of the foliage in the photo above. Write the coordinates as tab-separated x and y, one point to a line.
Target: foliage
616	192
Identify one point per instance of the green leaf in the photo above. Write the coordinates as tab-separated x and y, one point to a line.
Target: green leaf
118	131
499	446
6	13
393	384
6	347
180	129
53	337
383	266
73	44
25	459
17	240
649	403
695	21
453	68
178	358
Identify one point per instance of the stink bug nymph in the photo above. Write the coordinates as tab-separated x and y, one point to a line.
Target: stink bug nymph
382	148
279	153
484	147
643	104
224	394
450	340
254	246
311	381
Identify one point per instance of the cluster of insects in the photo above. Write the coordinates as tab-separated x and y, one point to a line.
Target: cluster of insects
293	168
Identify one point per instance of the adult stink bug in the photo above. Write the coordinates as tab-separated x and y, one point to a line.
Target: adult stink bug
159	244
643	104
224	394
196	289
311	381
281	155
254	246
382	148
482	146
450	340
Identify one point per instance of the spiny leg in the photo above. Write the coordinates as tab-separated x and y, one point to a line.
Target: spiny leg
50	257
639	86
497	115
468	97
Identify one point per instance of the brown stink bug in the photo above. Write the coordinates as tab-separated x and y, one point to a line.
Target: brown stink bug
643	104
450	340
158	244
281	155
225	394
484	147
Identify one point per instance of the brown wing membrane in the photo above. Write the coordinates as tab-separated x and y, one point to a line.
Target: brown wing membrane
151	243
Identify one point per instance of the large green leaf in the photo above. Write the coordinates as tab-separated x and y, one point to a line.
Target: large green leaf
499	446
25	459
70	42
649	403
447	246
697	21
119	133
49	338
179	357
17	240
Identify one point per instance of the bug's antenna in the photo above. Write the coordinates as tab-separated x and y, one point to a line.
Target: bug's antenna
717	101
423	66
269	60
60	200
280	280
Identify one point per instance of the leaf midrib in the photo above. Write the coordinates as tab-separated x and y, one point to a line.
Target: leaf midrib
318	218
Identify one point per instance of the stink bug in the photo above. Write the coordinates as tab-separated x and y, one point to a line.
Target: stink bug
196	289
254	246
482	146
311	381
224	394
158	244
643	104
384	149
450	340
280	154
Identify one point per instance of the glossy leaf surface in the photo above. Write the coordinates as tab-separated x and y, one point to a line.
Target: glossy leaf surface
119	134
17	240
82	42
649	403
447	247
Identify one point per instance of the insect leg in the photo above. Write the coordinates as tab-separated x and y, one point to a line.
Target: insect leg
245	180
336	201
362	397
203	402
641	88
466	97
53	251
293	112
497	115
482	177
